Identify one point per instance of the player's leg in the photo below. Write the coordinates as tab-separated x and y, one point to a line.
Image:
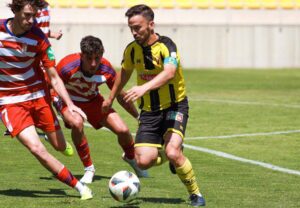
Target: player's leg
176	118
183	167
30	139
56	138
146	156
76	123
114	122
58	141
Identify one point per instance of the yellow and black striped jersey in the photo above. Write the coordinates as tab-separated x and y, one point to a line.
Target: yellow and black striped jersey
148	62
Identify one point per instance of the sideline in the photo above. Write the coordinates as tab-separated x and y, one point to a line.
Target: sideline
244	160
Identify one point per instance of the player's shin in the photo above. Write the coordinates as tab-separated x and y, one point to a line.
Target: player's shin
188	178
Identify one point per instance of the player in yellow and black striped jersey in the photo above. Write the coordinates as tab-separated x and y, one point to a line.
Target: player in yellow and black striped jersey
148	62
161	96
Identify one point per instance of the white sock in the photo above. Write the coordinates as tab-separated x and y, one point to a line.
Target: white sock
79	187
90	168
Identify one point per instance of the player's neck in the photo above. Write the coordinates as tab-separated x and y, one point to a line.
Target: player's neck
14	27
152	39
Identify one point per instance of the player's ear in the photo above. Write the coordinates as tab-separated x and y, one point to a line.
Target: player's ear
151	24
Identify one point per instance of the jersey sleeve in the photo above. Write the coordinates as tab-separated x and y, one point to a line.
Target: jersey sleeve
45	50
169	52
109	72
128	58
62	70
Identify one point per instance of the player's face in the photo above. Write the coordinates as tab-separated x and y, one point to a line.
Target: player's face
141	29
24	19
90	64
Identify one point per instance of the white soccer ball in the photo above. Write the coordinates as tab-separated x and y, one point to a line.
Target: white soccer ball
124	186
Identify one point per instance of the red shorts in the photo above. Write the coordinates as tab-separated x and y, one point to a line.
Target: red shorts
92	109
18	116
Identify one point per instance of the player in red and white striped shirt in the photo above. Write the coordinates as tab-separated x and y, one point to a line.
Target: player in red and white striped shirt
43	22
82	74
23	106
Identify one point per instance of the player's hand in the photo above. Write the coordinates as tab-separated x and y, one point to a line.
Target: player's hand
106	105
134	93
56	35
74	108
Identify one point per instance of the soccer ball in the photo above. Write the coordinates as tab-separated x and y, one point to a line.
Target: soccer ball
124	186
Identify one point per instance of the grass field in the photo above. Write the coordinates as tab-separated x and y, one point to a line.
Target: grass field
253	115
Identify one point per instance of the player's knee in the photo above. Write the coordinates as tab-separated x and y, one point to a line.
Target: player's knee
37	150
123	131
77	123
144	163
173	155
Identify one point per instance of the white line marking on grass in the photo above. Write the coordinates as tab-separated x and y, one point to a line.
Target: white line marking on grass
244	102
232	157
244	160
244	135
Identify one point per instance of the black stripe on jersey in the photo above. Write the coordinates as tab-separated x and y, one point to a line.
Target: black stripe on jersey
142	103
132	55
162	58
148	59
154	100
169	44
172	93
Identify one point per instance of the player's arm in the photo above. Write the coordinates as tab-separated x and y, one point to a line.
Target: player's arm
128	106
161	79
122	78
56	35
58	85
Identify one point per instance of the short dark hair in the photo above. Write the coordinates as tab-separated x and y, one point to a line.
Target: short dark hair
91	45
140	9
18	5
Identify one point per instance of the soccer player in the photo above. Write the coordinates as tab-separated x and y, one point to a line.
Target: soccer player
23	106
82	74
161	96
43	22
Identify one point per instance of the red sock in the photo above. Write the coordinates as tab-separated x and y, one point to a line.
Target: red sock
129	150
84	153
66	177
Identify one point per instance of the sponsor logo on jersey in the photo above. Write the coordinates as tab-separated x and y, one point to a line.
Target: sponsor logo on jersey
147	77
50	54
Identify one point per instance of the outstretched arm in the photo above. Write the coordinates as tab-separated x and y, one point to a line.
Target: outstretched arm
59	87
122	78
128	106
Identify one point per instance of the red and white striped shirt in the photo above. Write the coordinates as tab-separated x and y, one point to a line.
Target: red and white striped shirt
20	57
43	20
80	87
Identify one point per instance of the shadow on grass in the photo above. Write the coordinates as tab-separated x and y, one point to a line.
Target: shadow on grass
139	200
52	193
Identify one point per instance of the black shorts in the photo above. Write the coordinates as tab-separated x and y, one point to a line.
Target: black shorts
154	124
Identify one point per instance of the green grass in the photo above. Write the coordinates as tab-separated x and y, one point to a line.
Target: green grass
268	101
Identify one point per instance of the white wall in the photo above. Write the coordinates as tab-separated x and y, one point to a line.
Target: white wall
201	46
205	38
